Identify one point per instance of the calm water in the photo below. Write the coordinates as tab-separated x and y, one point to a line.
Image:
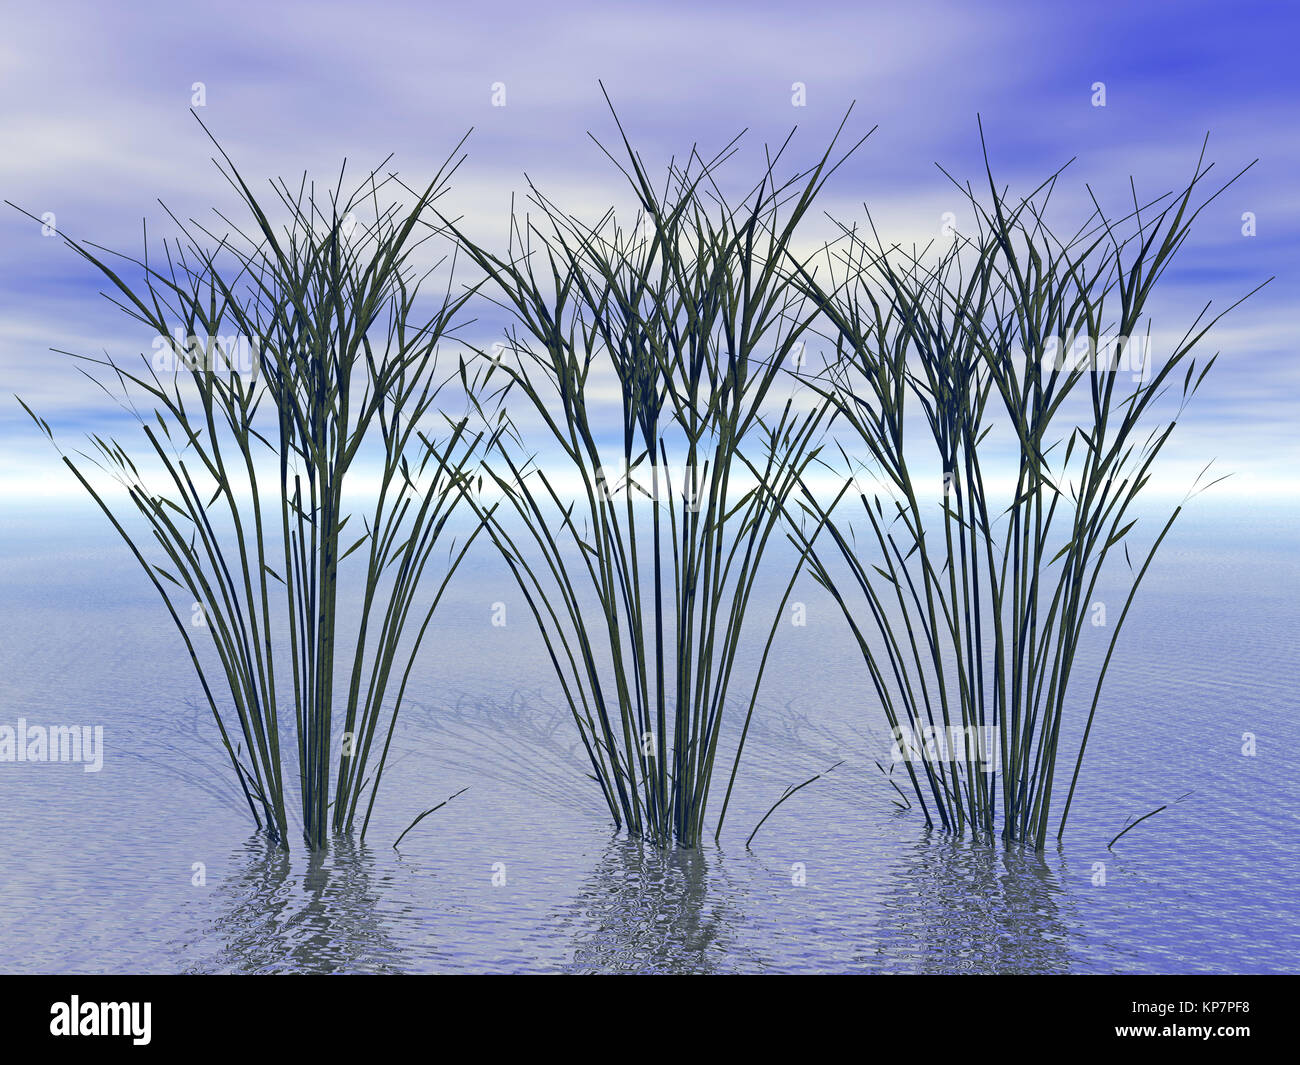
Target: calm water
98	868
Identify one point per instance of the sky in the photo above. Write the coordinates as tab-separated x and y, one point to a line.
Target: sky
96	128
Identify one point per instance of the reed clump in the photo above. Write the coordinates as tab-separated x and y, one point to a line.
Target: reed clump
1011	350
290	355
636	541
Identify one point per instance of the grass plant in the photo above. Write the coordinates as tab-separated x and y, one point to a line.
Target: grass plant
969	601
239	500
637	541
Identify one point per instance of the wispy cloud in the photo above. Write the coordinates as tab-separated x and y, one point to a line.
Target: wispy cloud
97	129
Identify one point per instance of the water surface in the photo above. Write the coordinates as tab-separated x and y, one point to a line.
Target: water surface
523	872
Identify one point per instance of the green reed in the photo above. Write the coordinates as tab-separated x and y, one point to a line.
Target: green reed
639	572
237	506
969	605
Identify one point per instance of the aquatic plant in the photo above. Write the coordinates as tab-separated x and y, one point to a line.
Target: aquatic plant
638	560
287	356
1008	350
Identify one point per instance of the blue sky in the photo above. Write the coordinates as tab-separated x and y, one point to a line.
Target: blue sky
95	127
